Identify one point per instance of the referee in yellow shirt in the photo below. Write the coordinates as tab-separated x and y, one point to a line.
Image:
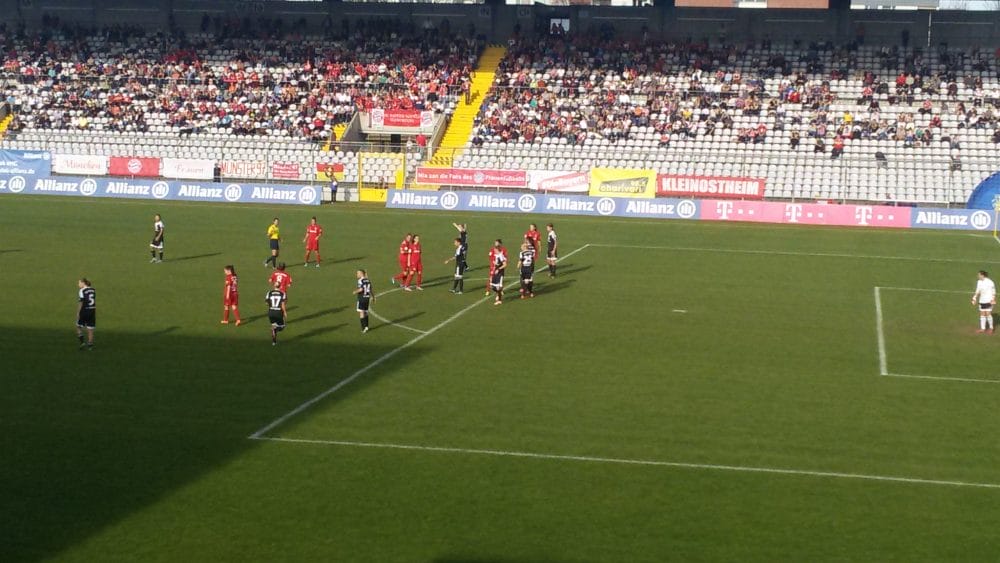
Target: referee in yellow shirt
274	238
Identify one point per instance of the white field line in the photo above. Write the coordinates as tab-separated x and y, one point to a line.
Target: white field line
883	362
378	361
372	312
942	378
644	462
788	253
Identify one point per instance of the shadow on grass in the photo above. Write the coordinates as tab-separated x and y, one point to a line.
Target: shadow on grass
253	318
10	250
192	257
318	314
552	286
343	260
91	438
568	269
313	333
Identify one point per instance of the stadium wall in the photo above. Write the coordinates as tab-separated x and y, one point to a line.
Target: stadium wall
498	23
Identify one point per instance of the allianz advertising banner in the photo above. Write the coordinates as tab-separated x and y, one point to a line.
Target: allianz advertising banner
556	204
160	189
36	164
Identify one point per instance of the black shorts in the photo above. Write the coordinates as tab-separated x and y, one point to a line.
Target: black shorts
496	280
460	268
276	318
274	244
985	306
87	318
526	273
552	255
364	303
156	243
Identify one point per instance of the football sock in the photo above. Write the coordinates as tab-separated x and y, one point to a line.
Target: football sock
274	335
161	255
531	287
318	259
989	321
236	314
364	321
225	315
152	254
80	337
409	278
420	277
982	322
461	284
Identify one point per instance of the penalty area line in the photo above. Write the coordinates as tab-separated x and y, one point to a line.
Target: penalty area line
259	434
641	462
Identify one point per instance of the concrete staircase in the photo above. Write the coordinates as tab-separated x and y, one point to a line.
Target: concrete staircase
460	128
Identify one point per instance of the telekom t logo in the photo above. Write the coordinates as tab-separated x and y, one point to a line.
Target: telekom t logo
724	208
863	214
793	211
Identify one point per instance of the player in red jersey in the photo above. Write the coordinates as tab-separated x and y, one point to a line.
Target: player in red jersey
416	264
491	259
534	237
282	278
404	260
313	233
231	296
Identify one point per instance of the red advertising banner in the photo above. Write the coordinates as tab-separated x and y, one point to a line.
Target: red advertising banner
134	166
285	170
255	169
401	118
727	187
549	181
471	177
806	213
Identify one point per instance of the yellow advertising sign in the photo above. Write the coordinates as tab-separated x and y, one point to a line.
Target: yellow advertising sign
616	182
372	194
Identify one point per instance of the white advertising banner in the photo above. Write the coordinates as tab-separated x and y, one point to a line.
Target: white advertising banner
80	164
188	168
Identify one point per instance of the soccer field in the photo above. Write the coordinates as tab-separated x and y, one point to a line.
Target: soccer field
681	391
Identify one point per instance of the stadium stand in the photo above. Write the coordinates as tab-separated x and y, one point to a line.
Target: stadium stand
250	94
723	110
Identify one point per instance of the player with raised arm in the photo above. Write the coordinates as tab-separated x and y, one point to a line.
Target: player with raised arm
231	296
156	244
416	264
461	250
526	264
985	297
365	296
404	261
86	313
313	234
276	311
463	235
552	249
499	266
491	259
274	240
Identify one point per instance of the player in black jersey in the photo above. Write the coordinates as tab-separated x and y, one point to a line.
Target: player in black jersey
156	244
86	313
463	235
365	298
526	263
551	249
499	266
461	253
276	311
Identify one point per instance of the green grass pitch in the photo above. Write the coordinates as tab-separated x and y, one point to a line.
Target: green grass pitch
682	391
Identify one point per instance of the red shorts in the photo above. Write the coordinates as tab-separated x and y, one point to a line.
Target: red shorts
231	300
312	245
404	263
417	266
